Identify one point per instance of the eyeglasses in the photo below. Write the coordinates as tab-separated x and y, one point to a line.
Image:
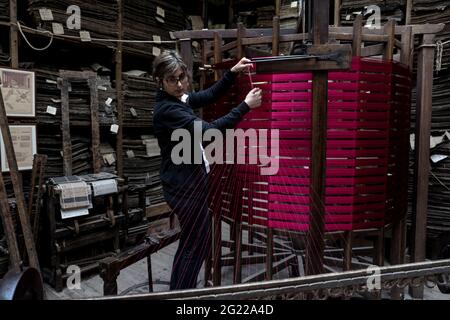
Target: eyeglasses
174	80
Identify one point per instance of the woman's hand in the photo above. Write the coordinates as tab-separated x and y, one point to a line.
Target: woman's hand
254	98
243	65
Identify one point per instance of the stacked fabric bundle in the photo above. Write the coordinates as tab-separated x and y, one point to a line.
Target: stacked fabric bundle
97	17
4	9
139	98
389	10
141	166
49	95
50	143
151	20
434	11
142	20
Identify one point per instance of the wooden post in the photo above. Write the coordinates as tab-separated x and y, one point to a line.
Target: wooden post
18	189
205	14
13	35
186	55
95	128
277	8
399	226
409	4
337	12
315	238
204	62
217	54
422	150
357	36
240	36
65	126
390	45
120	102
276	36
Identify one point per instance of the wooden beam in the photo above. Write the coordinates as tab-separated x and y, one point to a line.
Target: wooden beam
95	128
375	50
422	150
119	91
267	32
13	35
315	239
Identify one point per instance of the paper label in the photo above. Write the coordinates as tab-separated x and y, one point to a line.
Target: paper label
66	214
51	81
51	110
109	159
133	112
157	38
102	187
130	154
85	36
108	102
57	28
46	14
156	51
294	4
438	157
102	88
114	128
159	19
160	12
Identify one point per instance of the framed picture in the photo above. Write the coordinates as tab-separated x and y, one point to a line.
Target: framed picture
18	89
24	141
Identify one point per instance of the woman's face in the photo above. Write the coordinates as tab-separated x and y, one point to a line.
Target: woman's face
176	83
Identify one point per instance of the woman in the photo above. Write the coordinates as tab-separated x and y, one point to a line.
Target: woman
185	184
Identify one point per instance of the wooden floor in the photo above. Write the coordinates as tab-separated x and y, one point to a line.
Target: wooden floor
134	279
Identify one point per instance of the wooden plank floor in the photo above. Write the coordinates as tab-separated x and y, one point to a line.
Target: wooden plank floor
133	279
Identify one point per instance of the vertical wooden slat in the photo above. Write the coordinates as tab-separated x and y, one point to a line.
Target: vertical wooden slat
240	36
119	89
390	31
422	151
217	251
337	12
65	127
217	54
186	55
269	257
406	51
357	36
13	35
276	36
95	128
409	4
315	238
204	62
277	7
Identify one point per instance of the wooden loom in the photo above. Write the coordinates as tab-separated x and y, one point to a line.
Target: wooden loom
385	43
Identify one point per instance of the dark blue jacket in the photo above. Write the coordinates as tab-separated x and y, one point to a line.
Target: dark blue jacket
170	114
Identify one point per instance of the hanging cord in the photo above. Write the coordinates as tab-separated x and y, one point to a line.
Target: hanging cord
439	53
19	26
51	35
439	180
